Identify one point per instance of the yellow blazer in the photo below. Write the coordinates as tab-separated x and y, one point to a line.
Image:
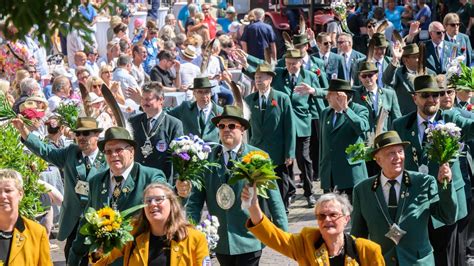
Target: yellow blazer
191	251
301	246
30	244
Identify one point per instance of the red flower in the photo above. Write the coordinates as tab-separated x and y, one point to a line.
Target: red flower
274	102
469	107
363	98
31	113
463	49
318	72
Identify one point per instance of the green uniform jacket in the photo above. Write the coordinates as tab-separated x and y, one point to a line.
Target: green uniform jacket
419	198
432	61
234	236
386	100
315	65
464	46
132	194
69	159
407	128
397	78
165	129
335	166
188	114
275	132
356	65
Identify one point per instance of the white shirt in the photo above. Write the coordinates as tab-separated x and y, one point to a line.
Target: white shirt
226	154
113	183
325	57
92	156
150	119
421	126
207	111
386	186
266	94
188	72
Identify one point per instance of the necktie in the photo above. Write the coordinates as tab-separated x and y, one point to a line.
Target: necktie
117	188
293	80
424	140
463	104
346	67
392	200
88	164
336	117
230	157
263	106
202	120
151	124
379	75
437	52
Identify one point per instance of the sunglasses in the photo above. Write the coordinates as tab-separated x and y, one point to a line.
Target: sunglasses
96	86
83	133
368	75
439	32
326	43
230	126
204	9
370	26
448	92
332	216
454	24
426	95
341	42
155	199
117	151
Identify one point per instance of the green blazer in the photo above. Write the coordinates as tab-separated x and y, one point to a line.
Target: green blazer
419	198
188	114
432	61
315	65
132	194
398	79
407	128
274	132
335	167
387	99
234	236
167	128
70	160
464	44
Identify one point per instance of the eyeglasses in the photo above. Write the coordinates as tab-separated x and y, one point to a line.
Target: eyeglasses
426	95
448	92
371	26
155	199
204	9
332	216
454	24
368	75
96	86
326	43
118	150
83	133
341	42
438	32
32	71
107	72
230	126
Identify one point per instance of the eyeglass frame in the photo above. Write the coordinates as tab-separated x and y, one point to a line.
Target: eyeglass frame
333	216
158	199
231	126
116	151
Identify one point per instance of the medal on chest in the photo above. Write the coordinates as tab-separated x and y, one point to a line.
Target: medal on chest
225	197
147	148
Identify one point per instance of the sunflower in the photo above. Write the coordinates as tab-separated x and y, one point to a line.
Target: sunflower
253	155
107	215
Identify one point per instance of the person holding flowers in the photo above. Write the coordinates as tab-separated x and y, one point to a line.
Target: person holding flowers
236	245
412	127
119	187
22	241
162	234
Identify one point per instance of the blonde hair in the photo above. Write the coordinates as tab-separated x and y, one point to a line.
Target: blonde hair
104	68
92	80
176	225
4	86
10	174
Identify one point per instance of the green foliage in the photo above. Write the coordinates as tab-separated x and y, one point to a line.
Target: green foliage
6	111
465	80
359	151
28	165
69	114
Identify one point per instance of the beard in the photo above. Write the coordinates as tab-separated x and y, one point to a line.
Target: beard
430	110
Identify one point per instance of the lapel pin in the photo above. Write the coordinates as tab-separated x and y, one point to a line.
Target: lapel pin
413	133
125	190
104	191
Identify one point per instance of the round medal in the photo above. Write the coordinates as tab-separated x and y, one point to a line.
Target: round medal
225	197
423	169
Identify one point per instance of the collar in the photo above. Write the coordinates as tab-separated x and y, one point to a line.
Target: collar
406	180
92	156
326	54
235	149
206	108
348	54
306	59
350	249
125	173
266	94
440	45
156	116
420	120
297	74
384	179
451	38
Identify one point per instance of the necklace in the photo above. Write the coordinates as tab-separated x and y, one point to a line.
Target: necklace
341	250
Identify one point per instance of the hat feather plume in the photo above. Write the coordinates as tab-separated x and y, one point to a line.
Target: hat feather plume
398	38
382	27
421	59
288	41
302	24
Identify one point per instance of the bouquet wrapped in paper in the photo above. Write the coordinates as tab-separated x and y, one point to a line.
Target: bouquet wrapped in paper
339	7
189	156
443	142
209	227
106	229
255	167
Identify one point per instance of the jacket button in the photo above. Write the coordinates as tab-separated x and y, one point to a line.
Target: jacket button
393	259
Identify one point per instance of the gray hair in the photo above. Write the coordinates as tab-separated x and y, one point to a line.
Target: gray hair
433	24
345	34
60	83
342	199
154	87
180	39
192	8
123	60
169	17
259	13
28	85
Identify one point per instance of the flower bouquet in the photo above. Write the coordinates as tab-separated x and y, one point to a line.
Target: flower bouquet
443	143
209	227
362	150
7	113
340	8
460	76
69	113
107	228
189	157
255	167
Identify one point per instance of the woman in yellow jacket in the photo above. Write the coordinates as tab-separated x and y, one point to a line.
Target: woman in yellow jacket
22	241
326	245
162	234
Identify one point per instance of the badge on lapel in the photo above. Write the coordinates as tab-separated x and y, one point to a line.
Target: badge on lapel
161	146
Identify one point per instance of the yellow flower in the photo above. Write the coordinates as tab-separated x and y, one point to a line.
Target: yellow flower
1	262
116	226
106	215
255	155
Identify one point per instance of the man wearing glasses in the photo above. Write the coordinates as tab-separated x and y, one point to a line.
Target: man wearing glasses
452	24
79	162
344	49
333	63
236	246
438	51
162	72
411	128
119	187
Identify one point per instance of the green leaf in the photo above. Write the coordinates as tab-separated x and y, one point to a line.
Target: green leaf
131	210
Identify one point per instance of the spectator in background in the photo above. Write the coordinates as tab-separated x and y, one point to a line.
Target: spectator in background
122	73
74	43
162	72
113	51
114	86
424	17
230	16
20	75
114	21
209	20
258	36
80	59
379	15
170	20
125	47
82	75
139	56
28	87
185	13
189	71
61	90
393	13
151	46
91	63
120	31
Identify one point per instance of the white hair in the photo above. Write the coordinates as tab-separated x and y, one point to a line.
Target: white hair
342	199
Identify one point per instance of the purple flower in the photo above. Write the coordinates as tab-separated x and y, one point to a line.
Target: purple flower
184	155
206	148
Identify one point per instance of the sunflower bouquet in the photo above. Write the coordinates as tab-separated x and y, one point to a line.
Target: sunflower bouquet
106	229
255	167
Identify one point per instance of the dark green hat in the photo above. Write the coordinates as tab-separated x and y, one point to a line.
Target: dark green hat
116	133
87	124
367	67
387	139
292	53
232	112
410	49
201	83
426	83
380	40
300	39
340	85
265	68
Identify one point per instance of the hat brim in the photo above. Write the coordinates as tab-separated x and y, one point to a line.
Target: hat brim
242	121
403	143
188	56
271	73
81	129
369	71
201	88
101	143
427	90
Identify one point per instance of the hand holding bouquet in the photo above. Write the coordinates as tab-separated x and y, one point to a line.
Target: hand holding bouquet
7	113
209	227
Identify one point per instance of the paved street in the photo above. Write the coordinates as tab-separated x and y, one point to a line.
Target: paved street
299	217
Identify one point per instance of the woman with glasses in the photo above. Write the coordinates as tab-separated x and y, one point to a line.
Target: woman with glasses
162	234
105	73
325	245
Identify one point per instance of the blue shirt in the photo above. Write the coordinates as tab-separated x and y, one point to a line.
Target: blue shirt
424	12
258	36
224	22
152	51
88	12
395	17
